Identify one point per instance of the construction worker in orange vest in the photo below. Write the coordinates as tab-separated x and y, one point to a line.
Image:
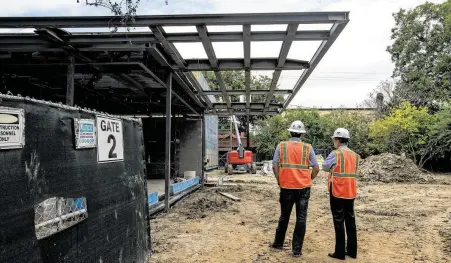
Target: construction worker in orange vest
343	165
291	164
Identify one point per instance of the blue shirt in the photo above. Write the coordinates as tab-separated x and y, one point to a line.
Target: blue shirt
313	161
331	160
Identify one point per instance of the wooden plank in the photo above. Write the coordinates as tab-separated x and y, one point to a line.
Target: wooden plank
230	196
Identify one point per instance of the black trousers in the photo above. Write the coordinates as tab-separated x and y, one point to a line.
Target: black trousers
288	198
343	215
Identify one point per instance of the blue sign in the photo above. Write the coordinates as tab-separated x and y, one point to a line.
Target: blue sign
86	127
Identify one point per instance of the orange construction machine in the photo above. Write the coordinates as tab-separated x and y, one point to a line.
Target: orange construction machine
240	160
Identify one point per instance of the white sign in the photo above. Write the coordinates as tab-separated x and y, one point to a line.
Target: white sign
85	133
110	140
12	124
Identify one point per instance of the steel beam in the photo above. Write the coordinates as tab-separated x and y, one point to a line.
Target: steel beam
286	45
223	89
158	31
323	48
156	54
238	64
175	20
243	92
203	34
191	79
167	146
185	103
135	86
239	105
146	38
70	89
175	55
252	113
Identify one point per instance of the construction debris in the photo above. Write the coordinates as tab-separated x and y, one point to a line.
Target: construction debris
390	168
230	196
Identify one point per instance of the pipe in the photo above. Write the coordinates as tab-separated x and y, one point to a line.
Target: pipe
174	199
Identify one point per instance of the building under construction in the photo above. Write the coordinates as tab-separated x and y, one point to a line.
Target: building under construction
99	112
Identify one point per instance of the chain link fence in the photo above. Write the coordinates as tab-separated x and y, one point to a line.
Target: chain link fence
56	214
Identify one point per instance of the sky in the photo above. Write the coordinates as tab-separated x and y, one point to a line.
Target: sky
355	64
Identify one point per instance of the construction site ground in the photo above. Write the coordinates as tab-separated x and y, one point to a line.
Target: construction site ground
396	222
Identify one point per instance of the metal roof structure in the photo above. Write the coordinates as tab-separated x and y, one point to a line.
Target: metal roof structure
128	67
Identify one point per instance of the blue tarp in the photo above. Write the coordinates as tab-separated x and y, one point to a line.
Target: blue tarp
152	198
179	187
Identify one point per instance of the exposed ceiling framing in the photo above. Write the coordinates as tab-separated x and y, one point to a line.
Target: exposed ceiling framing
141	60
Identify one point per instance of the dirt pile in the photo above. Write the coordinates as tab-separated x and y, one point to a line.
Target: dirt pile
390	168
202	204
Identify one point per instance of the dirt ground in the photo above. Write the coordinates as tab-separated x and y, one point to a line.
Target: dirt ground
396	223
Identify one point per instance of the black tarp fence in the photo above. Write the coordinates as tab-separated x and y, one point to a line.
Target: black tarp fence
116	228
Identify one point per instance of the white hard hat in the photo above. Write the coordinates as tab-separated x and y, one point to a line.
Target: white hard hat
297	127
341	133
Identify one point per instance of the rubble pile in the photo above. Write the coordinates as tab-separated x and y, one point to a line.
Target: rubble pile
390	168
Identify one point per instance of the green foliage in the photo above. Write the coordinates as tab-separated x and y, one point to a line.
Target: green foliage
358	125
235	80
269	134
319	129
440	142
422	53
405	130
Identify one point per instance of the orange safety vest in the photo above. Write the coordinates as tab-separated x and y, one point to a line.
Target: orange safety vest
294	172
343	179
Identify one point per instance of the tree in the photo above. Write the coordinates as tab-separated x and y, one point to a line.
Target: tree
422	54
235	80
384	97
406	130
319	128
126	9
440	138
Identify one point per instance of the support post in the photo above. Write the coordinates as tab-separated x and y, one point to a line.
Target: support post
203	150
231	134
167	160
70	81
247	133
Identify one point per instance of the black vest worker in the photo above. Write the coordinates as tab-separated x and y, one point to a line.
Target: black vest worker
343	165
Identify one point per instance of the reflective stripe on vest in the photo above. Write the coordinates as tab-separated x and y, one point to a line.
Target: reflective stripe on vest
343	180
294	162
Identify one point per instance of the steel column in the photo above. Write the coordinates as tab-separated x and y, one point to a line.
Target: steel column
70	89
202	177
247	132
247	62
167	159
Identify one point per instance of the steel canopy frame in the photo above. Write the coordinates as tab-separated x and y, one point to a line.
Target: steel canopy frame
160	46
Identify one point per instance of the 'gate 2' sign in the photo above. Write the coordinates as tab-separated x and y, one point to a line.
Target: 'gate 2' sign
110	140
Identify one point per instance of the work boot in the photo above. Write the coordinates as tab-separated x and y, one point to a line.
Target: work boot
297	254
275	246
333	255
350	255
